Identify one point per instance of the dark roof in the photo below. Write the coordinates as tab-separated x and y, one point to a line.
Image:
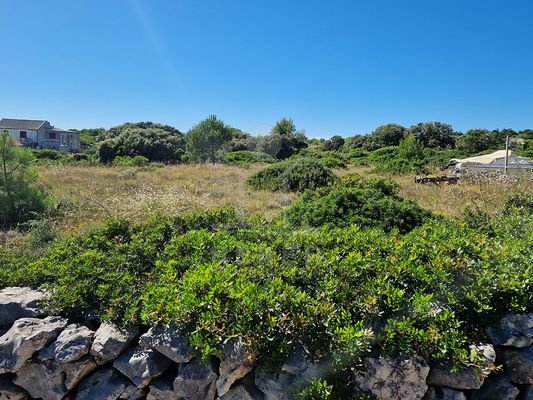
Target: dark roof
6	123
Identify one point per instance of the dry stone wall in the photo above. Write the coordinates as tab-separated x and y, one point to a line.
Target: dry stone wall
47	357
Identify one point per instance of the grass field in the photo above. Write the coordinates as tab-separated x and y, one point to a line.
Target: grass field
89	195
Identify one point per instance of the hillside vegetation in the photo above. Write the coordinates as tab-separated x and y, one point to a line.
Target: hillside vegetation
329	244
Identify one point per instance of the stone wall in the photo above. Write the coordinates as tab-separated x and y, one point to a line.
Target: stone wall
46	357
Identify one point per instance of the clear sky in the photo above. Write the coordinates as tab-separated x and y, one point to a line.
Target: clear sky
335	67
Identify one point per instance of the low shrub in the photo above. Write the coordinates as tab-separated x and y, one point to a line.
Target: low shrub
523	202
49	155
294	175
337	290
333	162
128	161
354	201
247	157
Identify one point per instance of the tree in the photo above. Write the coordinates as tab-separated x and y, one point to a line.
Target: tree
19	200
148	139
474	141
206	139
411	149
433	134
388	135
334	143
283	140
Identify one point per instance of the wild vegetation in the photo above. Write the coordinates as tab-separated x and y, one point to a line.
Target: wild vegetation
149	227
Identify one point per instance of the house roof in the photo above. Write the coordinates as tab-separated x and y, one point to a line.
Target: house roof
6	123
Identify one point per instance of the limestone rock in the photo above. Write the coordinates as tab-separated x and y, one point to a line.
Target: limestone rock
132	392
235	364
295	374
9	391
394	378
17	302
110	341
169	341
102	385
141	365
76	371
27	336
276	386
497	387
51	380
196	381
466	378
241	392
443	393
44	381
162	390
519	365
514	330
73	343
298	361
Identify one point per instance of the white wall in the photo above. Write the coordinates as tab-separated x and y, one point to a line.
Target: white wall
15	134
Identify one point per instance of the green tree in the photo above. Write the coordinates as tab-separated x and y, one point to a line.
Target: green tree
284	140
154	141
334	143
388	135
19	200
206	139
433	134
411	149
474	141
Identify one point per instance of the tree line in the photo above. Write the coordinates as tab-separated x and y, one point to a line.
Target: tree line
212	140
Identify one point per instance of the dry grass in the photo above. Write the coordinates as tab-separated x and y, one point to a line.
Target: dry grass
488	195
93	194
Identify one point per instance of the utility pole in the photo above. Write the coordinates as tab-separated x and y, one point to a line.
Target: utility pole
506	154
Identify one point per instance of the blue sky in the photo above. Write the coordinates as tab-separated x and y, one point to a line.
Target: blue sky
335	67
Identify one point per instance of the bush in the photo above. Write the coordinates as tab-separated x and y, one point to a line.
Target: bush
352	201
333	162
522	202
47	155
126	161
219	276
246	157
293	176
20	201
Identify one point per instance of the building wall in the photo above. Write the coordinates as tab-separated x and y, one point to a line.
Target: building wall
40	138
31	135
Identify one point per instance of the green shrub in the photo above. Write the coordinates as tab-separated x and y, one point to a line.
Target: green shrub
372	203
523	202
293	176
247	157
82	157
338	290
333	162
49	155
20	200
128	161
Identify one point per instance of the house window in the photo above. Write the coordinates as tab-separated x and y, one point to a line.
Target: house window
51	135
23	135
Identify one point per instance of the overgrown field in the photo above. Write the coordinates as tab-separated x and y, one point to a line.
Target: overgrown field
353	265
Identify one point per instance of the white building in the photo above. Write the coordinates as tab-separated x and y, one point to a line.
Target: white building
493	162
40	135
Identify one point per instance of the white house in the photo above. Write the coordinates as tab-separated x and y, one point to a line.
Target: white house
40	135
